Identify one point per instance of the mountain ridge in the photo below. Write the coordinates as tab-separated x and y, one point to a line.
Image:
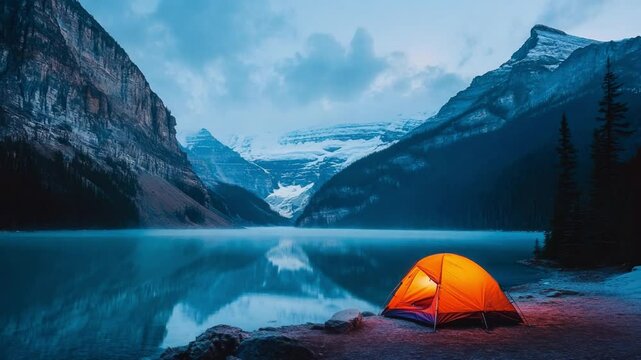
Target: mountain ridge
488	100
288	169
215	162
468	161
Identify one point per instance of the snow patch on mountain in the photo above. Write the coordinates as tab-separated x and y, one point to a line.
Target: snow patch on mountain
547	47
347	142
302	160
287	199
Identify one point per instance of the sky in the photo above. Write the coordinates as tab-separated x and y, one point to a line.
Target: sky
258	67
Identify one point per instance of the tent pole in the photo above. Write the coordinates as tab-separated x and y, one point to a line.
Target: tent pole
518	308
438	291
390	296
485	321
438	288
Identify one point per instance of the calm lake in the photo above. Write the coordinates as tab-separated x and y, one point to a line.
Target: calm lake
127	294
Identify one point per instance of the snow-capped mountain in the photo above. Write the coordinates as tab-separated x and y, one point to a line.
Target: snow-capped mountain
215	162
300	161
456	165
228	177
495	97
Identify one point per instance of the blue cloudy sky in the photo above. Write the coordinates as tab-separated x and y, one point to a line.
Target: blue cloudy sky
245	67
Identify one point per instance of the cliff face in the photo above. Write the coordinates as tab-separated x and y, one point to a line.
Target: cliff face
216	163
66	86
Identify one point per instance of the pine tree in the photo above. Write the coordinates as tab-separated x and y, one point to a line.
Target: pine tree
612	116
606	153
563	243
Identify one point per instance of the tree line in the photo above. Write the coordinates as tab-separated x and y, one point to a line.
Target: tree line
602	227
48	191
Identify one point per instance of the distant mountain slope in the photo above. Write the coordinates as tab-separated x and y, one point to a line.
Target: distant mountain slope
72	95
244	207
214	162
299	162
228	177
487	160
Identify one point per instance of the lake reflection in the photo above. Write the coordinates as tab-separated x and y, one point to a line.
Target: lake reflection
125	294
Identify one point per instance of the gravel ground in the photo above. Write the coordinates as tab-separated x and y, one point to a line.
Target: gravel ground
571	315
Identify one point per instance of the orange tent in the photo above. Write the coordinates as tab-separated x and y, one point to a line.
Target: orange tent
443	288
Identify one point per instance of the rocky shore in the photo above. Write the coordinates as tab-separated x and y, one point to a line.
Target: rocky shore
578	315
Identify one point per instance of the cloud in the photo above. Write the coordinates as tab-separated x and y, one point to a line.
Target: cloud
203	48
206	30
406	87
236	68
569	13
434	81
468	50
327	70
144	7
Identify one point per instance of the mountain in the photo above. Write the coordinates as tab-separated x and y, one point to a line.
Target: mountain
487	158
228	176
214	162
85	141
243	206
500	95
299	162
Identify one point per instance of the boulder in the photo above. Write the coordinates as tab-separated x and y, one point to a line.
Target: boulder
216	343
344	321
273	347
175	353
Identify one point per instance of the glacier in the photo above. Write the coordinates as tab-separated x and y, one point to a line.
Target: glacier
286	170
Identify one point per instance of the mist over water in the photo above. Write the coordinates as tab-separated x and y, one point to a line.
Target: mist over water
126	294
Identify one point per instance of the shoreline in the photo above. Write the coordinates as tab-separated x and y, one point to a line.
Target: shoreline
568	314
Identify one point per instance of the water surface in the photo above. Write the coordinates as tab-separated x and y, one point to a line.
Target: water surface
126	294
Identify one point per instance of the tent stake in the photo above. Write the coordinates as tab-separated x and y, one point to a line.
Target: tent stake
485	321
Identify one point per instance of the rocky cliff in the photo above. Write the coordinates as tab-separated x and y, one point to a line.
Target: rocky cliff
216	163
68	89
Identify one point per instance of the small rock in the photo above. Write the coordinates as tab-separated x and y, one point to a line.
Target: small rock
273	347
344	321
558	293
214	344
318	327
368	314
268	328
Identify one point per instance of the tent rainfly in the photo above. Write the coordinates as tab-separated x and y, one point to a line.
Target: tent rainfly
443	288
